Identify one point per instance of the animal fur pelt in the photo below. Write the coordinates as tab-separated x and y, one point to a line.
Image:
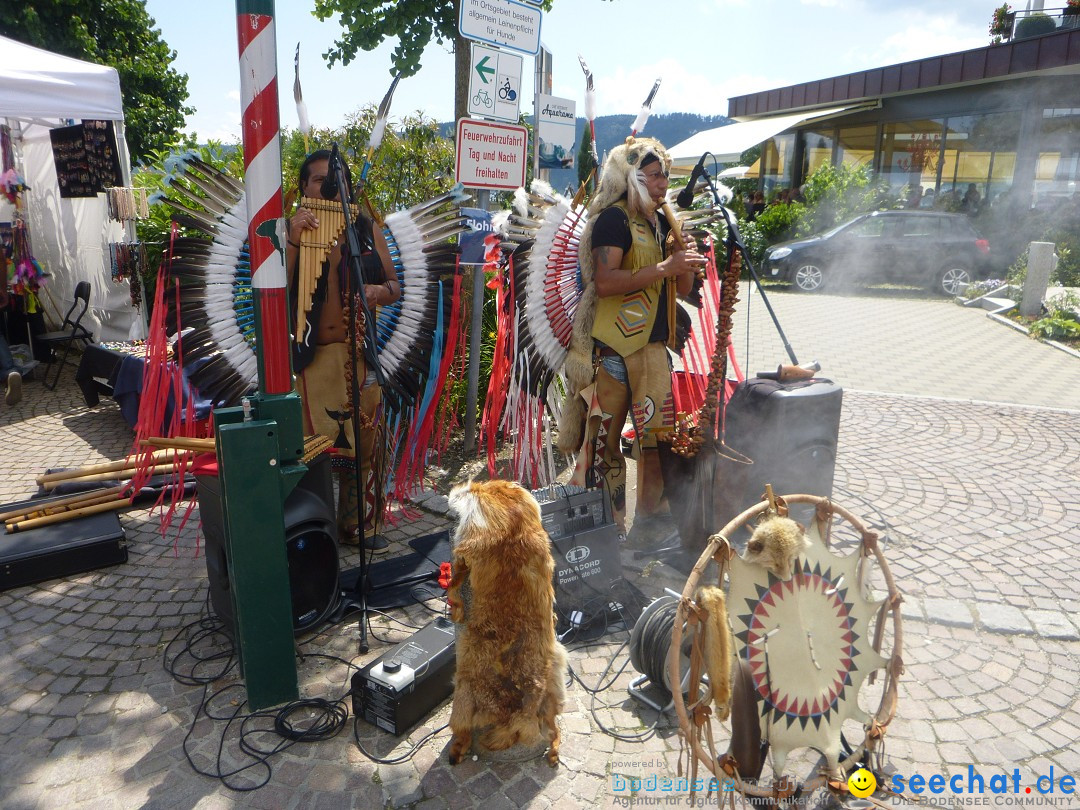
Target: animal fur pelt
775	544
509	685
717	648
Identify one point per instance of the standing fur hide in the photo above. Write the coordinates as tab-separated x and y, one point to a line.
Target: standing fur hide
718	648
511	669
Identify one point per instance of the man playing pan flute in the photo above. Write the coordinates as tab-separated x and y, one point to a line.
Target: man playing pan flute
322	358
618	357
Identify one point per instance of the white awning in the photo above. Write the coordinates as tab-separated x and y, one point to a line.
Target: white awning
728	142
39	84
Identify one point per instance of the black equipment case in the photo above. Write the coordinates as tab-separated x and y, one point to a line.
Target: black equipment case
61	549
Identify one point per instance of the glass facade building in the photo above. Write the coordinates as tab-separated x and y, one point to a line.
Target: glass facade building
999	124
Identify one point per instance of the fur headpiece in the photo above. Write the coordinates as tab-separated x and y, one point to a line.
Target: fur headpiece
620	179
775	544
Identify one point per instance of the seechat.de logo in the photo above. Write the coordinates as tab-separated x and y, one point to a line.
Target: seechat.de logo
578	554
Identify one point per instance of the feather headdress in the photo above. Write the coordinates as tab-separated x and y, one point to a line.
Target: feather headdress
298	96
590	105
378	130
646	110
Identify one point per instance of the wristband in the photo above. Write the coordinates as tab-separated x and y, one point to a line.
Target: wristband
294	244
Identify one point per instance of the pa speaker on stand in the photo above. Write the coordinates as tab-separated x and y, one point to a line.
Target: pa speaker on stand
310	547
790	431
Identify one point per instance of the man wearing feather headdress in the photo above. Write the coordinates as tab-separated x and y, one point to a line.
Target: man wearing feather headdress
321	356
618	363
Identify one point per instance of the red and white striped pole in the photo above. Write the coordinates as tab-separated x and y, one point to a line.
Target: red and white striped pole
257	39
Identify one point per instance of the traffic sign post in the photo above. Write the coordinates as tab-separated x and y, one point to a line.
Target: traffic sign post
492	156
505	23
494	84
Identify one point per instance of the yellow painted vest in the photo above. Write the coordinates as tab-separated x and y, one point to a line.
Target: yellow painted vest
625	322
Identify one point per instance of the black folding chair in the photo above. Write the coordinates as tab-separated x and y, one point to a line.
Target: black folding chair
69	331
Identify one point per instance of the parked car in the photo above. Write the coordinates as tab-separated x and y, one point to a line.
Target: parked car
936	250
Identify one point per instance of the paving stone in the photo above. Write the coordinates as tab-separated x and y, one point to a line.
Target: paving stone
948	612
1001	618
911	609
1053	624
953	479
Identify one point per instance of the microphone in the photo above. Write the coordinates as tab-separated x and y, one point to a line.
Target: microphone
329	188
686	196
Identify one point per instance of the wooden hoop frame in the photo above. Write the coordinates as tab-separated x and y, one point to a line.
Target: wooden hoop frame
718	549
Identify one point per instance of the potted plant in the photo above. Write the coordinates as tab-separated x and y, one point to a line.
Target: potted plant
1001	23
1070	15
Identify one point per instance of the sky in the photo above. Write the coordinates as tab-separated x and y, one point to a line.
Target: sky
705	51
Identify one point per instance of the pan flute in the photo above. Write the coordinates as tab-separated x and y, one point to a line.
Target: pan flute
315	247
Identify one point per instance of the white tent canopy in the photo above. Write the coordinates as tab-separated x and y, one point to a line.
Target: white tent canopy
39	84
728	142
70	237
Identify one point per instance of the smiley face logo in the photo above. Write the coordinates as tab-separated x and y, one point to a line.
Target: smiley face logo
862	783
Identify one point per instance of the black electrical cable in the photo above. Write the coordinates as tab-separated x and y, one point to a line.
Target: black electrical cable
206	643
640	736
329	720
654	641
404	757
205	632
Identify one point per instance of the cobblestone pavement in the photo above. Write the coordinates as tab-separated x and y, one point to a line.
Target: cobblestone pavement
979	502
901	341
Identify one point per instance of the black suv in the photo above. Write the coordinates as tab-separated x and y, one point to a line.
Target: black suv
937	250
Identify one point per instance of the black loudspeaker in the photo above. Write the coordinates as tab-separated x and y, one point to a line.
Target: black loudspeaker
310	546
790	432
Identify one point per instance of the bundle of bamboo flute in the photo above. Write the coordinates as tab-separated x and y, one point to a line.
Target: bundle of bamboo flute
33	515
313	445
174	456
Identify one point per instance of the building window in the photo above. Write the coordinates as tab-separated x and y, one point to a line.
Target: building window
777	155
911	155
817	150
1057	174
855	145
980	151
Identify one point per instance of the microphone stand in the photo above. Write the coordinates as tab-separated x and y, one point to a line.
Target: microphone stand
735	240
354	292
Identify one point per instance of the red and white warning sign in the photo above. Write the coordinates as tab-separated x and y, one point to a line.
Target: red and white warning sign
490	155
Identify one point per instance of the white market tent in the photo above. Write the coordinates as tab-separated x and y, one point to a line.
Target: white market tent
40	90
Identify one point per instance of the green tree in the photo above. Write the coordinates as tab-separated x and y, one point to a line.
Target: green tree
586	163
414	23
413	164
121	34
